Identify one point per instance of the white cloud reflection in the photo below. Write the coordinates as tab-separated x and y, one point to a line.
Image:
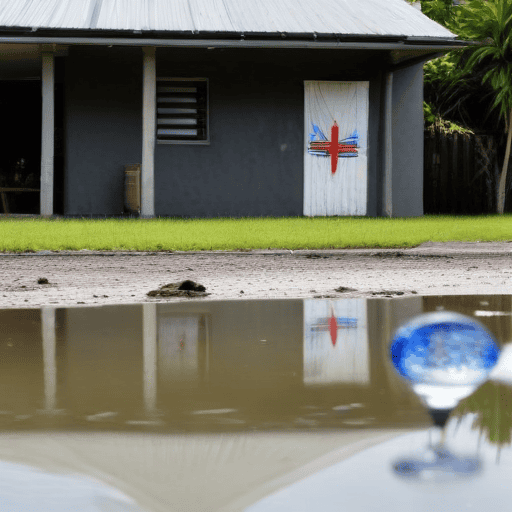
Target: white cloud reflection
28	489
502	372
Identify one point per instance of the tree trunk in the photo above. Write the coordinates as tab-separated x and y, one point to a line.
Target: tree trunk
503	178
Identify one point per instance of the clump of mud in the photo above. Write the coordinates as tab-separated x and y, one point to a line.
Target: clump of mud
389	293
181	289
397	254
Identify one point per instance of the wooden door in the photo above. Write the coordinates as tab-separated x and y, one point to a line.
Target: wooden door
335	153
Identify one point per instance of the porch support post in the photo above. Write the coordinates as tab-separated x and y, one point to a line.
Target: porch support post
49	359
149	358
47	138
387	184
148	132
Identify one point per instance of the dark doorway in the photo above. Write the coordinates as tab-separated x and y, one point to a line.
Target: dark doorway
20	157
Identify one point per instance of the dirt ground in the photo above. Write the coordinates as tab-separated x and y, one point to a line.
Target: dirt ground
87	277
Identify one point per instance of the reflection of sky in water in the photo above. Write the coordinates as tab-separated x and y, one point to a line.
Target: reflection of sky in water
345	485
26	489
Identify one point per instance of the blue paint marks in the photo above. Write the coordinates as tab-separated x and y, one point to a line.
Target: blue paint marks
317	133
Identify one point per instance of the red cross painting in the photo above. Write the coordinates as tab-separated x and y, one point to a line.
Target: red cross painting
334	147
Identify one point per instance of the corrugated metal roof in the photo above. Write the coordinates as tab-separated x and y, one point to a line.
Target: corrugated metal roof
344	17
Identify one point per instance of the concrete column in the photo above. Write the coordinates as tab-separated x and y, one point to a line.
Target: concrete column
47	138
149	357
387	182
148	132
49	359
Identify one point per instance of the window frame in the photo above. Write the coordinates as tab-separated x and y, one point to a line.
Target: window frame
204	142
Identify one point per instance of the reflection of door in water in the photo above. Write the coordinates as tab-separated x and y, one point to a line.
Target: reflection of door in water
20	155
182	351
336	347
335	171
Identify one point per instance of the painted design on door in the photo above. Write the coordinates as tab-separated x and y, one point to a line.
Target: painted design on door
333	148
335	184
332	324
336	346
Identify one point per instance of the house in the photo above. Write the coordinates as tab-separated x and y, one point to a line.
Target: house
232	108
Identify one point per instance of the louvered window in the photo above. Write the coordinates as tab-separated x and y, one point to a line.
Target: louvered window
182	110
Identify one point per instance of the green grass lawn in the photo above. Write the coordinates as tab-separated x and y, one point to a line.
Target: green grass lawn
34	234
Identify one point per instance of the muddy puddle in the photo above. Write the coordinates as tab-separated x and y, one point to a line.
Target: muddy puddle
269	403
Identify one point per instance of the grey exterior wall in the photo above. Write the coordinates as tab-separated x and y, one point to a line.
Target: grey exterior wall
102	126
407	137
375	154
253	165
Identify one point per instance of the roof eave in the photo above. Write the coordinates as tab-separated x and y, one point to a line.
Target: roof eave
231	40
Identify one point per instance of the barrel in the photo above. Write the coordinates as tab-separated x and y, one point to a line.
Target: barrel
132	188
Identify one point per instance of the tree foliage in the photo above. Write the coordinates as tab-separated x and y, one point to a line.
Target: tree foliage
474	85
438	10
490	21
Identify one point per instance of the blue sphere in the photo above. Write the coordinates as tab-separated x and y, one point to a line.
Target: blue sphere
444	348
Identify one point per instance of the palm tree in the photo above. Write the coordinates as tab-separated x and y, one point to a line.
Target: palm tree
490	22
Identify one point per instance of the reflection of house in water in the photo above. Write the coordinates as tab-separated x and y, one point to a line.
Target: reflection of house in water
265	359
21	354
100	362
171	355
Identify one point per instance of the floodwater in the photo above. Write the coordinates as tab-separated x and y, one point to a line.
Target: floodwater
240	405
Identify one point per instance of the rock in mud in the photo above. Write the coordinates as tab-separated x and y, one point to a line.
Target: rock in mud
181	289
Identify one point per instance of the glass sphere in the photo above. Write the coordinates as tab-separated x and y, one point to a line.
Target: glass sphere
445	356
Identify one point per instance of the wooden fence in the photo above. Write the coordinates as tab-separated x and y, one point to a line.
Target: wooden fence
461	173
